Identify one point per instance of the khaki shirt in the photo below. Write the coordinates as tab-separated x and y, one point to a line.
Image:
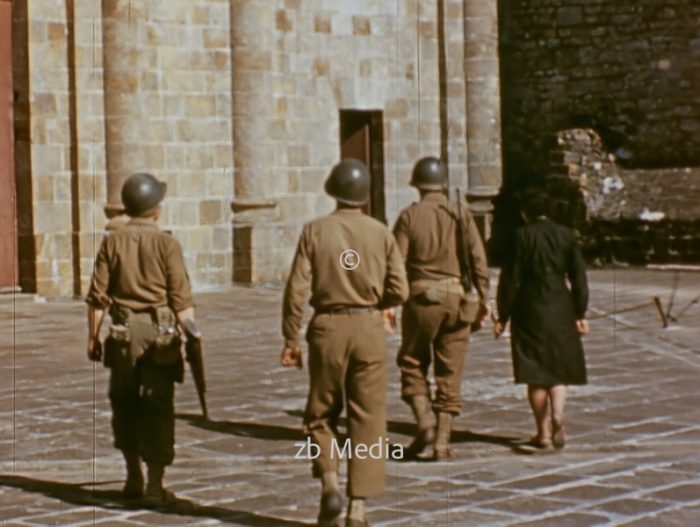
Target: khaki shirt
140	266
379	280
426	234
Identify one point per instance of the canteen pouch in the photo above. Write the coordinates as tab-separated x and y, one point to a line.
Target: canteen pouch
117	344
469	307
113	351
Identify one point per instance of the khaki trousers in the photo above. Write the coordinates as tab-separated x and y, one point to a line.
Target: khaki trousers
141	394
431	332
347	364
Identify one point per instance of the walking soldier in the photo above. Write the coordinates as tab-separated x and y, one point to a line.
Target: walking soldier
443	261
353	267
140	277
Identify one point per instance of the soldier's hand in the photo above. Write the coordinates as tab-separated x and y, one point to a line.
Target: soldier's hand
498	329
389	317
94	349
483	316
291	357
582	326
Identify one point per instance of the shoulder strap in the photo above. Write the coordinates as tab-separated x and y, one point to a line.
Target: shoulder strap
463	254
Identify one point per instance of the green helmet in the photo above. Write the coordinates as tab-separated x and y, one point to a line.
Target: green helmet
348	183
141	194
429	173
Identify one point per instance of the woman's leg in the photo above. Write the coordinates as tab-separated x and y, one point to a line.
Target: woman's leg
557	395
539	398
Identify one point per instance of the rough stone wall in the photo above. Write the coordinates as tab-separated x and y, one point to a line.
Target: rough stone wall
630	215
628	69
311	60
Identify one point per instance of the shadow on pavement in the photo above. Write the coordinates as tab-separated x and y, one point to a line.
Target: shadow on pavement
258	431
85	494
458	436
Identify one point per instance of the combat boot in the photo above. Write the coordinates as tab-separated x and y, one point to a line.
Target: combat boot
133	488
423	413
331	501
356	523
356	513
156	494
442	448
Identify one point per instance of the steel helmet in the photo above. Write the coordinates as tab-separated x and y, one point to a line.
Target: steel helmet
348	183
141	194
429	173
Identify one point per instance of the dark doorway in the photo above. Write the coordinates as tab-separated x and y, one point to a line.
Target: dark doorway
8	220
362	137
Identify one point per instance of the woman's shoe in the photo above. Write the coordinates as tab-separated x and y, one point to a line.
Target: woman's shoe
535	442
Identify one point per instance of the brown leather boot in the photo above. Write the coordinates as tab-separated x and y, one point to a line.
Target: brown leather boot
356	513
442	448
133	488
425	419
156	494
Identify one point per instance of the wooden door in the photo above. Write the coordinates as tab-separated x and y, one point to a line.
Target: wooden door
8	211
355	145
361	137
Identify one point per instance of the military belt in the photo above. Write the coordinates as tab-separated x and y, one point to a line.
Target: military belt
445	286
340	310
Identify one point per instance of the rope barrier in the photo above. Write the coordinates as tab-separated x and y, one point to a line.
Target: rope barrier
655	301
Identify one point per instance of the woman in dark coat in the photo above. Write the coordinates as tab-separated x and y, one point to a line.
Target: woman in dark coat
544	293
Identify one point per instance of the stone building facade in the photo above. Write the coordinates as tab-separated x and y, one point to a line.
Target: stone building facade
242	107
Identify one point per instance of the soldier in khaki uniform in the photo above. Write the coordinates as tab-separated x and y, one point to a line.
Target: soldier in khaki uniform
350	293
140	277
435	327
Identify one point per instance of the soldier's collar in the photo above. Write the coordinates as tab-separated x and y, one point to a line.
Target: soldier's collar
437	197
143	222
347	211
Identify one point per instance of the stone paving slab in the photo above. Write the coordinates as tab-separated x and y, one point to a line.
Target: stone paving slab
633	431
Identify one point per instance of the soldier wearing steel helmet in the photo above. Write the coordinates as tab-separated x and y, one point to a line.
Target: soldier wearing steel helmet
352	268
435	326
141	280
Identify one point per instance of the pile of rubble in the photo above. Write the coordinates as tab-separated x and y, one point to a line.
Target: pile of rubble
636	215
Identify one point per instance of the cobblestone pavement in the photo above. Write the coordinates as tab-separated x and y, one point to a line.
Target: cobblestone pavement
632	457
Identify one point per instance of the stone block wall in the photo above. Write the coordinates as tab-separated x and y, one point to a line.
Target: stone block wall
172	102
236	105
300	64
628	69
43	147
168	111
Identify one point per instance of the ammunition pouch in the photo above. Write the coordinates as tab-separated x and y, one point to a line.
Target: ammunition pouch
151	334
120	333
166	347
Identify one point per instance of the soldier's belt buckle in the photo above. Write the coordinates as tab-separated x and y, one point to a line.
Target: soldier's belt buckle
120	333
